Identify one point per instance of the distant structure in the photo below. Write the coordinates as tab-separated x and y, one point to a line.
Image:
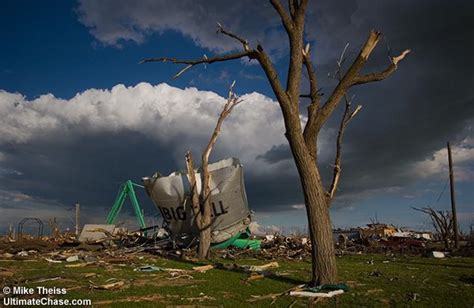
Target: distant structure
378	230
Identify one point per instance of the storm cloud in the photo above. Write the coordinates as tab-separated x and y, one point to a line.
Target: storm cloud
56	149
405	119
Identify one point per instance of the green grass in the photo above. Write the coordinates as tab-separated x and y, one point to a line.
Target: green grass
375	281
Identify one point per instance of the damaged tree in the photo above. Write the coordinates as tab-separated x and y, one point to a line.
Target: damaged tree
201	204
442	222
303	140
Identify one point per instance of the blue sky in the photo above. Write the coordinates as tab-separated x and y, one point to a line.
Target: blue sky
50	51
81	52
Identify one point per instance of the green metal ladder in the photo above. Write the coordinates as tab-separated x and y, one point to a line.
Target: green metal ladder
126	189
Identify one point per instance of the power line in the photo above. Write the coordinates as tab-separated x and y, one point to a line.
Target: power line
444	188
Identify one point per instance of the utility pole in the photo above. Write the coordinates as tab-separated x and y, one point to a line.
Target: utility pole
78	210
453	199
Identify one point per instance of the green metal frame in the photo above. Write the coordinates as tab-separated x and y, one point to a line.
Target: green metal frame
126	189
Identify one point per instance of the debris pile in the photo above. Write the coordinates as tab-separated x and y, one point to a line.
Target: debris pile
274	246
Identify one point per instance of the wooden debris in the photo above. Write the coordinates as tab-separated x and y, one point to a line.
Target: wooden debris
79	264
261	268
316	294
203	269
53	261
110	286
255	276
48	279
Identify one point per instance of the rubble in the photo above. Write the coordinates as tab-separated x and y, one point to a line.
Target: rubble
72	259
96	233
203	269
436	254
316	294
109	286
108	245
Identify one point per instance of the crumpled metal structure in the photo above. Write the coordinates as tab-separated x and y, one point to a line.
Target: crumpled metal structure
229	206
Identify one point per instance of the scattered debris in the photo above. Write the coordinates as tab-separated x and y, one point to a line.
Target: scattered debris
255	276
149	268
201	298
109	286
53	261
203	269
274	296
48	279
96	233
436	254
317	294
261	268
22	254
79	264
4	273
72	259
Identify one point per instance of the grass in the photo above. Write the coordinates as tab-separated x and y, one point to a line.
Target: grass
375	281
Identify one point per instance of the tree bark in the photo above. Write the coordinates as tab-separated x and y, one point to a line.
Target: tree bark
324	268
204	242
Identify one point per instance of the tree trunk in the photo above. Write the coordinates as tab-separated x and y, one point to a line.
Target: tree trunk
206	221
204	243
324	270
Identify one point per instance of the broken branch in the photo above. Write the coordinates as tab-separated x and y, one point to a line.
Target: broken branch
245	43
346	118
383	74
203	60
352	77
232	101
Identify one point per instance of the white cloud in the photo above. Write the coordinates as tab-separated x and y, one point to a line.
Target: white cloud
178	118
298	206
260	230
437	165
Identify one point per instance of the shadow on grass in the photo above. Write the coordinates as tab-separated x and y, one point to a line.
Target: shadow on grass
235	269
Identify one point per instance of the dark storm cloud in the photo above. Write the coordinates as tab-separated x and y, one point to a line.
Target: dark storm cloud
427	102
276	154
409	116
87	169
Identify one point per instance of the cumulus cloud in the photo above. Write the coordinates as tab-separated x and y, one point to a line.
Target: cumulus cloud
437	164
81	149
162	112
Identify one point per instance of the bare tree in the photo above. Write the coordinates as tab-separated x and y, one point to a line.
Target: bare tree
201	204
442	222
54	227
303	140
